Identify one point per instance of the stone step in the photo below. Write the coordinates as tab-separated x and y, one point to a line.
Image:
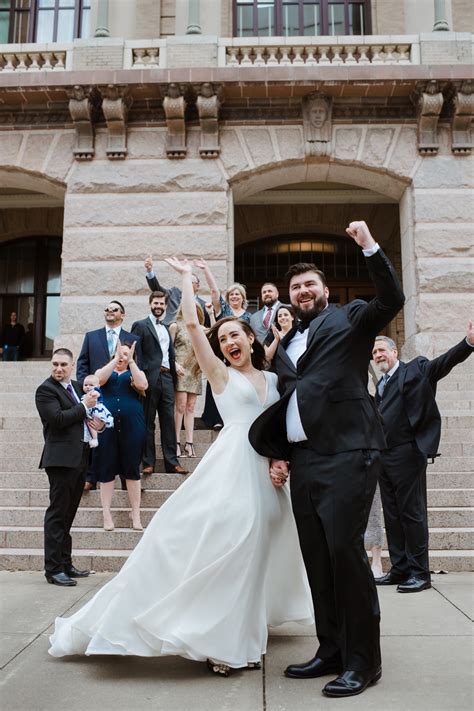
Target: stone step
16	449
152	499
30	464
113	560
31	423
450	497
38	479
445	464
466	393
126	538
91	517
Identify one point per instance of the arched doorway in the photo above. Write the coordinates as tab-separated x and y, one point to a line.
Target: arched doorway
30	284
268	259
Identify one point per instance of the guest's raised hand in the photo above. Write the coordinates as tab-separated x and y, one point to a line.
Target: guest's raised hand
149	263
360	233
90	398
276	332
132	351
181	266
209	308
118	352
200	263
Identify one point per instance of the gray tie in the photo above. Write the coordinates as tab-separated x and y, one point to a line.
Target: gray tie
111	336
383	383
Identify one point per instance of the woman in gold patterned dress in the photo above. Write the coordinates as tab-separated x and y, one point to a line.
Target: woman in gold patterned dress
189	385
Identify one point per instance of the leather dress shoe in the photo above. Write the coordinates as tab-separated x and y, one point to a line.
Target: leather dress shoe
314	668
60	579
414	585
147	470
391	579
179	470
73	572
351	683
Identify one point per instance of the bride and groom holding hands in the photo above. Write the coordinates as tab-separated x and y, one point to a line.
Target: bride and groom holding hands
225	557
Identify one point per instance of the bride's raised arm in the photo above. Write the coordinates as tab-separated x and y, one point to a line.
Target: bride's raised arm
212	367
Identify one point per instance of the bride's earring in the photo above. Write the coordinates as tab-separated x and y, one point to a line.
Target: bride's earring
251	349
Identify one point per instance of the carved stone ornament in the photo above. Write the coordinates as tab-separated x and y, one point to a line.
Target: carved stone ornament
208	105
430	103
115	105
174	106
82	102
462	117
317	124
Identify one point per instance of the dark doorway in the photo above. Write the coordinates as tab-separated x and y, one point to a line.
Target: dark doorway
30	284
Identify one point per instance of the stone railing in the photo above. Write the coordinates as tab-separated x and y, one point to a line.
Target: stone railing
144	54
322	51
35	57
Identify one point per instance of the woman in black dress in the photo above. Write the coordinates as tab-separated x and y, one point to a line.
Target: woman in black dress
120	448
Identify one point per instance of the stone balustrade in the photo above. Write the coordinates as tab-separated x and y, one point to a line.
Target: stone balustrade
35	57
322	51
144	54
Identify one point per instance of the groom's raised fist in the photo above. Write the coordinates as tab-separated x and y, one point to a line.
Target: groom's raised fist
360	233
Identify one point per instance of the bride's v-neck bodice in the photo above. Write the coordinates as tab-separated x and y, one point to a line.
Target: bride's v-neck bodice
239	403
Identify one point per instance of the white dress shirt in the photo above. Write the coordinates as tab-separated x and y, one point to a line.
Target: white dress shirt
79	401
164	339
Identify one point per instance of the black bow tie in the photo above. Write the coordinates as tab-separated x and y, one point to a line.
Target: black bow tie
303	325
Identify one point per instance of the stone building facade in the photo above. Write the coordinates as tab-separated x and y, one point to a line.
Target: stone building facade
167	133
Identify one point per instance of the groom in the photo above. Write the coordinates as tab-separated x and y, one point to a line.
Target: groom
326	427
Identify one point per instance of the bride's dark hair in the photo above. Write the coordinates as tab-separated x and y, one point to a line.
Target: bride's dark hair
258	356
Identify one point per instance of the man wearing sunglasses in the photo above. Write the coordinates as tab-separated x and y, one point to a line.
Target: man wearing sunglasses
99	347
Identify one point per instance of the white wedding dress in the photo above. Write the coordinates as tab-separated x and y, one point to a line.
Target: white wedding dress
219	562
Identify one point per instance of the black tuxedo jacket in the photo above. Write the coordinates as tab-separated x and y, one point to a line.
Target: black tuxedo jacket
63	425
95	352
336	409
416	385
151	353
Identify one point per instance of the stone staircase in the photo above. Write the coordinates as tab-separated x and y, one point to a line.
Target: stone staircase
24	488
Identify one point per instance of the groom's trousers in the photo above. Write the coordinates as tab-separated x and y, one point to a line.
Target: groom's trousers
331	497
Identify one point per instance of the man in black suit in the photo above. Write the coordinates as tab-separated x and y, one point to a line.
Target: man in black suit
327	427
97	349
158	363
65	458
405	397
174	294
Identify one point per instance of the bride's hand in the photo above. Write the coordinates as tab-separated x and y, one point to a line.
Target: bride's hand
180	266
278	472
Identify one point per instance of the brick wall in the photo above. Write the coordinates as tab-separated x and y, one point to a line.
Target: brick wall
385	20
148	18
98	56
463	15
168	18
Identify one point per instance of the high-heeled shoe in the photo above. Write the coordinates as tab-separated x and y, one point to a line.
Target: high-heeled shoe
109	527
189	449
216	668
178	450
133	526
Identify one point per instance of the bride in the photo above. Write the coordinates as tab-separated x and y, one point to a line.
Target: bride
220	561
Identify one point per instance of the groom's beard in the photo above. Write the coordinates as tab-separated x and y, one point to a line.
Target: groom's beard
307	316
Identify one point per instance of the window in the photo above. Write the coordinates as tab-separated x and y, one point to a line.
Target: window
43	20
289	18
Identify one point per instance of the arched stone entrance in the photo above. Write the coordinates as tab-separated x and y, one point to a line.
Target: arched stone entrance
31	218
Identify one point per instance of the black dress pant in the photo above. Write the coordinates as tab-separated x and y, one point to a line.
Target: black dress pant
65	490
331	497
403	491
160	398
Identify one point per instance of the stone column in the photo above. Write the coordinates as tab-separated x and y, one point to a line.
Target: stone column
193	28
102	19
441	23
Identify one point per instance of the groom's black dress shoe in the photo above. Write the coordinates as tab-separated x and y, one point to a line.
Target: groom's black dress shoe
60	579
314	668
414	585
73	572
352	683
391	579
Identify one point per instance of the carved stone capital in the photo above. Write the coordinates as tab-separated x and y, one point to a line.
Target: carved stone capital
82	105
208	105
317	124
462	117
174	106
115	104
429	104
